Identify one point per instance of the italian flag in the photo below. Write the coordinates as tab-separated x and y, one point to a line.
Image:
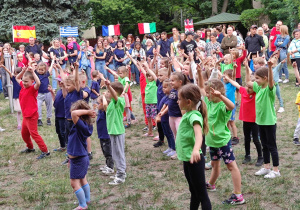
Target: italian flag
147	28
23	33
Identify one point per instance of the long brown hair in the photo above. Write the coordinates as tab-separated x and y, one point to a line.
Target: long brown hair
99	49
192	92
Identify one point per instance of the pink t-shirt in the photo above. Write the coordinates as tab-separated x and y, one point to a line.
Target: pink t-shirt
247	109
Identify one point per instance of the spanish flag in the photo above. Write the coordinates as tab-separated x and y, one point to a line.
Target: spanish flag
23	33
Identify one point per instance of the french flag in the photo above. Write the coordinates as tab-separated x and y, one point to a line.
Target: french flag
111	30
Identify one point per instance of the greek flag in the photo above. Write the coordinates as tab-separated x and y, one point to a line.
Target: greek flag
68	31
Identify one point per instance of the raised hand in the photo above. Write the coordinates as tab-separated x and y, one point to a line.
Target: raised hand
215	93
270	63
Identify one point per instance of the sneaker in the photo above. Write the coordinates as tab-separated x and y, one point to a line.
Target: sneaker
235	140
234	200
102	168
80	208
90	155
156	138
65	161
260	161
154	128
134	82
116	181
247	159
108	171
171	153
158	144
280	80
210	187
145	129
174	157
6	98
280	110
296	142
27	150
127	125
262	171
43	155
2	129
48	122
131	83
40	123
272	175
285	81
61	149
113	177
167	151
208	165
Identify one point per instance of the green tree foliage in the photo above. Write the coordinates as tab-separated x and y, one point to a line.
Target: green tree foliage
46	15
251	16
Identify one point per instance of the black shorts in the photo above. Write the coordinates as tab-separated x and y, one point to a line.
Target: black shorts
240	82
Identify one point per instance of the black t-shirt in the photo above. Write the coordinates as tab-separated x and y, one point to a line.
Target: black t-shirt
34	49
58	53
189	47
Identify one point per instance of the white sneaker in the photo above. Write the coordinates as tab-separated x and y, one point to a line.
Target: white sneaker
117	181
272	175
6	98
262	171
280	110
280	80
131	83
134	82
285	81
113	177
171	153
108	171
167	151
2	129
208	165
102	168
174	157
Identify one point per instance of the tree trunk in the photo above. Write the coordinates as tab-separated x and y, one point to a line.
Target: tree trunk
225	5
214	10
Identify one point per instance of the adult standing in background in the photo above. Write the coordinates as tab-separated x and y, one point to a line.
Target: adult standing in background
72	50
260	31
219	31
266	30
164	44
109	59
175	33
254	42
294	51
229	41
32	47
273	35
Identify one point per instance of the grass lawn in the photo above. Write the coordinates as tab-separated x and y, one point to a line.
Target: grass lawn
153	180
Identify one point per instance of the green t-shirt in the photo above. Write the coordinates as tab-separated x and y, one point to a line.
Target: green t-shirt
264	105
185	138
226	66
218	117
114	116
151	92
123	82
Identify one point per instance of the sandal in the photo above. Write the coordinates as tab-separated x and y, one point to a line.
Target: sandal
146	134
61	149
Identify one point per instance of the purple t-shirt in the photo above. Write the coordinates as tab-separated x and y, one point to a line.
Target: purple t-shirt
173	107
71	98
44	78
160	93
59	104
101	125
163	101
16	87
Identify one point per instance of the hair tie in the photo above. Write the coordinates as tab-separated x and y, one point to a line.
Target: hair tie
198	104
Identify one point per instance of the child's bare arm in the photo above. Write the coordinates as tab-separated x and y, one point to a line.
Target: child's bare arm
77	113
164	110
248	79
4	67
229	105
270	75
77	86
105	104
234	83
52	92
94	91
200	80
111	71
20	75
234	70
195	156
36	79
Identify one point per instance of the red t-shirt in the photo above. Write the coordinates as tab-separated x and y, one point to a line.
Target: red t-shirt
143	83
28	101
239	62
273	35
247	109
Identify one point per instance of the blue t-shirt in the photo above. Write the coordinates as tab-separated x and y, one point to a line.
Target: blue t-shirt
77	145
251	65
58	53
95	86
164	47
16	87
101	125
149	53
100	54
120	54
69	100
44	78
220	38
71	51
160	93
86	89
230	92
163	101
59	104
113	45
173	107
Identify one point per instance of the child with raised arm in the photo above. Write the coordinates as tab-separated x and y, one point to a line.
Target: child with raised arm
95	88
30	84
115	128
247	115
189	141
266	118
151	96
81	114
122	76
44	94
104	136
218	138
16	92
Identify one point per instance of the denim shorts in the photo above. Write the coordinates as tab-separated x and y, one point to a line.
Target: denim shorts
225	152
232	118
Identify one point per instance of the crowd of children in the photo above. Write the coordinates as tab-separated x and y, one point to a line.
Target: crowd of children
192	103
